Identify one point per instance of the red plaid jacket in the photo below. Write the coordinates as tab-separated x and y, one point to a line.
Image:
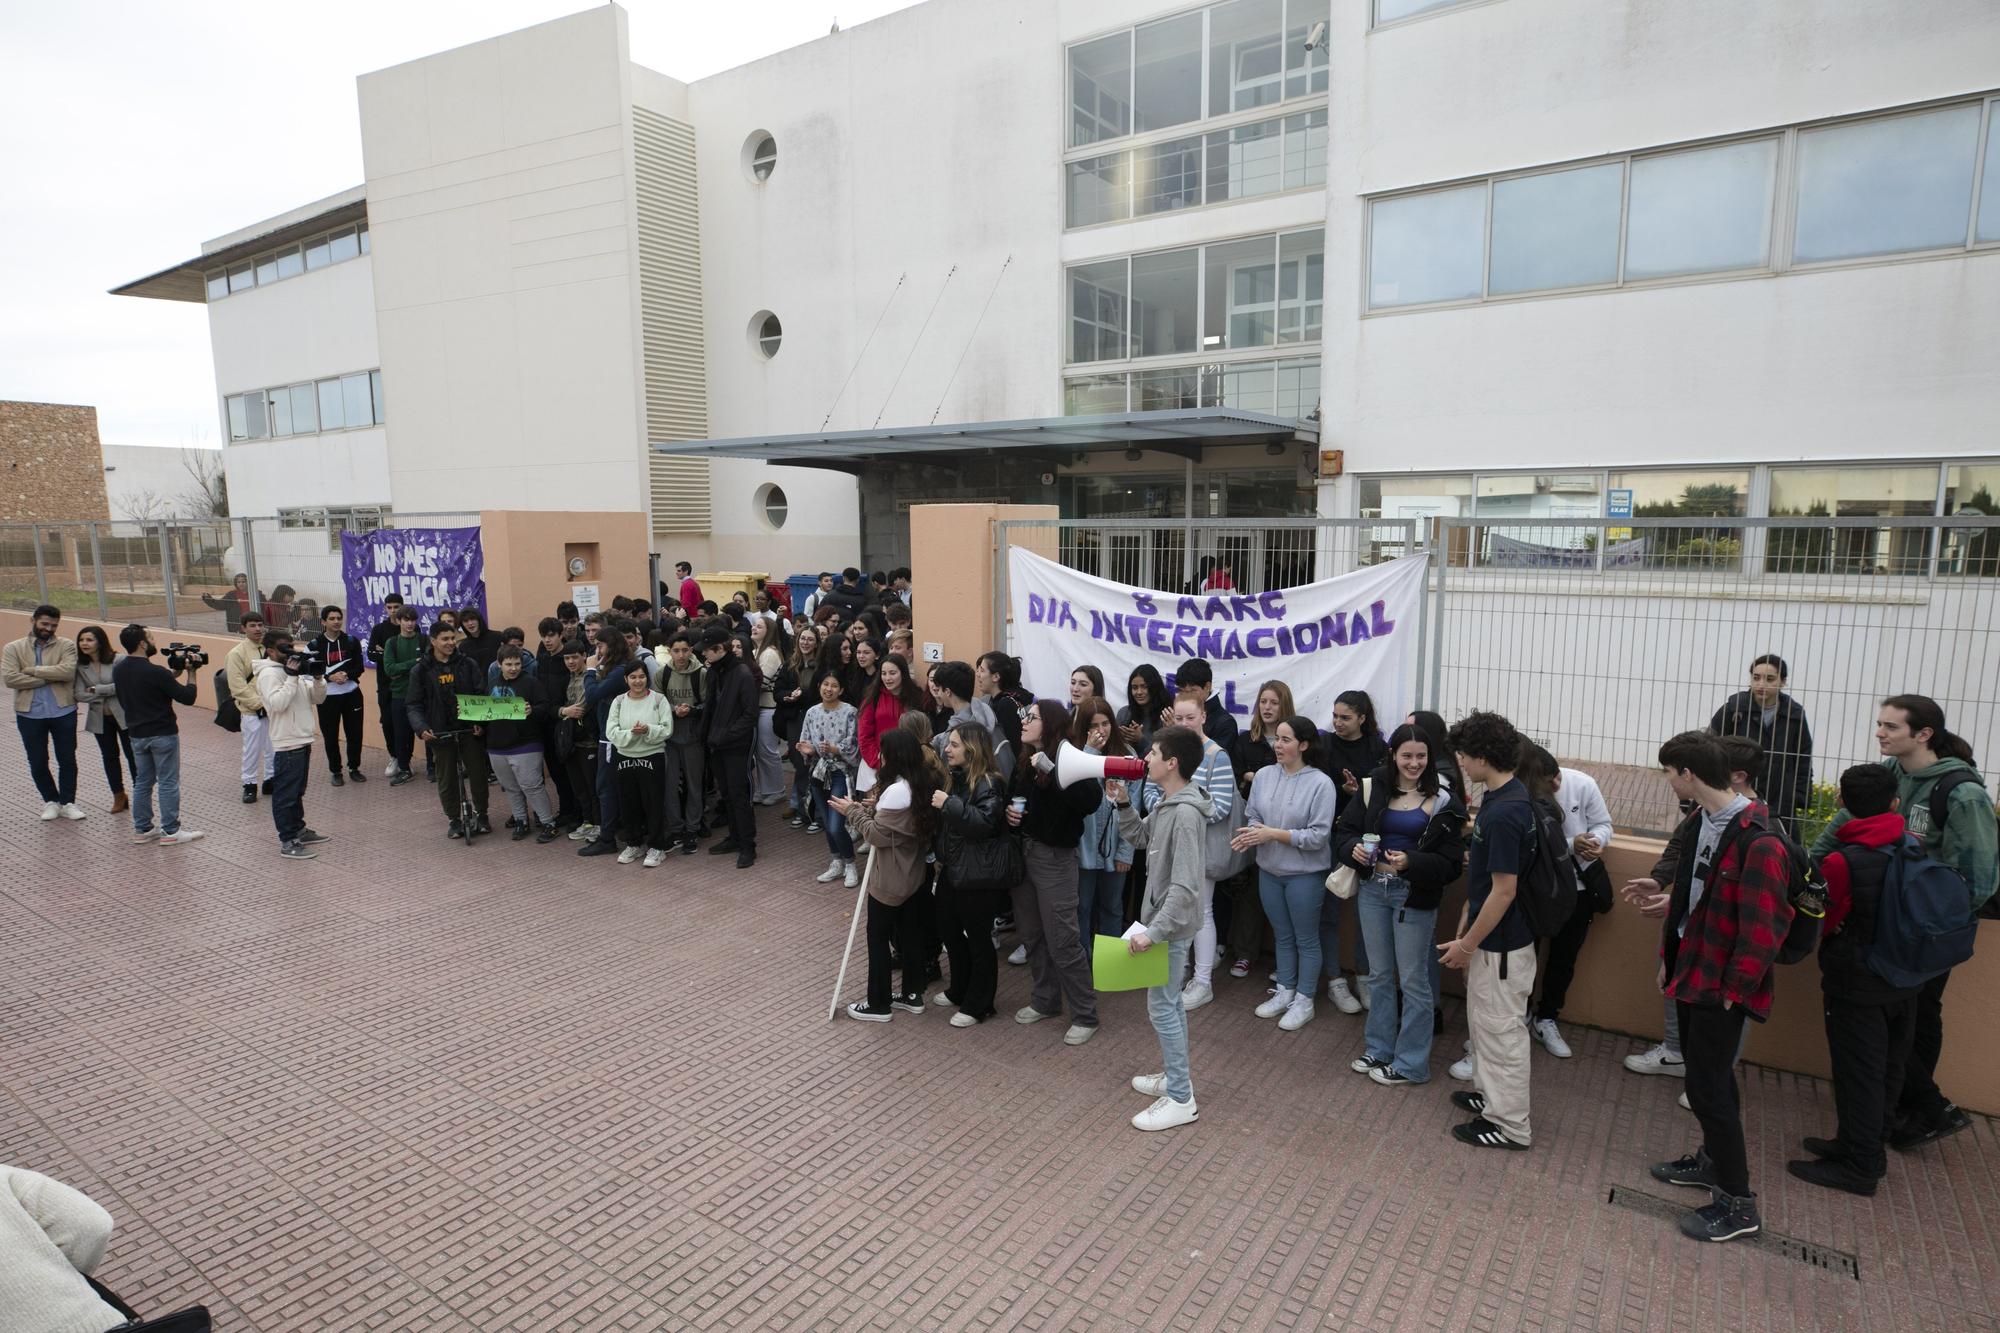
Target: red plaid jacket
1735	930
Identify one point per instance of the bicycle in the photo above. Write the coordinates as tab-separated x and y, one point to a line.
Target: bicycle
468	813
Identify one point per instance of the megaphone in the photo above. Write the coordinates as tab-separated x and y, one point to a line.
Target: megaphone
1074	766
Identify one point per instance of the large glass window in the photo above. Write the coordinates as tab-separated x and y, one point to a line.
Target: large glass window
279	406
1556	229
332	416
267	269
218	285
1100	89
1971	489
1164	390
343	245
1242	294
1165	296
1245	62
1680	493
1707	210
1420	498
1298	388
357	401
305	408
290	262
257	424
1301	285
1989	180
1249	385
1093	395
242	277
1427	247
1166	76
1305	71
1097	189
1167	176
1851	492
1886	186
318	253
1305	149
1244	161
1097	298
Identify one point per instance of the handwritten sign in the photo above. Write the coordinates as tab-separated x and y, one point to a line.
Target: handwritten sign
433	569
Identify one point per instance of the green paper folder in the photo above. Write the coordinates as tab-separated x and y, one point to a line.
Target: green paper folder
486	708
1116	967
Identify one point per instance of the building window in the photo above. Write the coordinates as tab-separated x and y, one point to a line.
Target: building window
1902	183
1100	89
290	261
1306	69
332	416
766	334
1166	73
1097	311
1283	153
1093	395
1246	161
1301	286
1241	294
1288	388
1968	490
343	403
1391	11
218	285
344	245
1305	150
318	253
771	506
760	156
1168	176
1246	67
242	277
1098	190
1851	492
1166	300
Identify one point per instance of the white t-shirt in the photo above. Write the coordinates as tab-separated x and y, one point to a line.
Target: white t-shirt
896	796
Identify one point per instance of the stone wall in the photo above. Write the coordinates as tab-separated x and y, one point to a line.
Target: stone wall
51	464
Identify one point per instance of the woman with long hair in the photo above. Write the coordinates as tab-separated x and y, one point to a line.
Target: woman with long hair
1146	698
1289	820
797	693
1104	856
889	695
860	677
1050	818
767	639
1351	751
898	826
106	720
1252	754
828	746
993	675
605	679
837	655
970	811
1085	683
1406	843
1770	716
638	725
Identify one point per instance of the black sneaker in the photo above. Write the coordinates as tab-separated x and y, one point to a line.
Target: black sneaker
402	775
249	793
308	838
1363	1064
521	832
909	1004
812	826
454	830
723	848
1915	1134
546	836
1726	1219
1469	1101
1483	1133
513	822
687	847
797	821
746	858
291	851
338	780
1693	1170
269	783
1387	1076
598	848
479	825
861	1011
430	773
1834	1174
1822	1148
356	775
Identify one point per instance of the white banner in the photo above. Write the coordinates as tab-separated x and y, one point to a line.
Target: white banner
1355	632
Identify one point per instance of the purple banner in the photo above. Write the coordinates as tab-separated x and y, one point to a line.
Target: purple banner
435	569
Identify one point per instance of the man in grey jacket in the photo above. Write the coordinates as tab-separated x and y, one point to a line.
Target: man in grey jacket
1176	836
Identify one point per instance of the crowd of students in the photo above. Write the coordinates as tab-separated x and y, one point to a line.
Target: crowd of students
646	729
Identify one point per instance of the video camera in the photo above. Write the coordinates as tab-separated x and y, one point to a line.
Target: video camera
185	657
305	662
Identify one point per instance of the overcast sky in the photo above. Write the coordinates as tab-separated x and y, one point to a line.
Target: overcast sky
131	131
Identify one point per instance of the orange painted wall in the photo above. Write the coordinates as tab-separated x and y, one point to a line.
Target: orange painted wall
525	571
951	569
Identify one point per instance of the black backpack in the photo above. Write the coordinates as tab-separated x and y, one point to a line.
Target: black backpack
1923	927
1804	890
1940	804
227	715
1546	887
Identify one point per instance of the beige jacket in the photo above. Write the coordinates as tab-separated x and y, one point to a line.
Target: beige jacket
50	1236
240	663
57	671
291	703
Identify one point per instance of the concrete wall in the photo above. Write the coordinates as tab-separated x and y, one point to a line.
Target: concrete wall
151	481
51	464
1881	360
527	557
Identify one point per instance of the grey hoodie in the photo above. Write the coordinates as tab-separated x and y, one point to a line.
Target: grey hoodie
1176	836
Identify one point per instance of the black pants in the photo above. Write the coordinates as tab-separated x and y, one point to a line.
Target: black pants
566	804
1921	1101
1709	1036
289	771
641	800
888	924
388	706
110	741
469	753
582	768
732	783
338	712
966	920
1560	970
402	736
1869	1044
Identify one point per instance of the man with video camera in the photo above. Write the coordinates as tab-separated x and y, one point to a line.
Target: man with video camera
148	694
290	688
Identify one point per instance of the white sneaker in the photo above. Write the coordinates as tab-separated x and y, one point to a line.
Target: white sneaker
964	1020
1078	1034
654	856
50	810
1343	998
1166	1113
1361	993
583	833
391	770
942	1000
1281	1000
630	854
1657	1061
1150	1085
150	835
1684	1102
1027	1014
1462	1070
849	876
1019	958
832	871
74	811
1551	1038
1297	1014
1195	996
185	835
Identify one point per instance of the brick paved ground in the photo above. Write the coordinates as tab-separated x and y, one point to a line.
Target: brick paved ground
413	1086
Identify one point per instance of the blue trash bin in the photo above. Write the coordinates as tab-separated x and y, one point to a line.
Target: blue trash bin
802	586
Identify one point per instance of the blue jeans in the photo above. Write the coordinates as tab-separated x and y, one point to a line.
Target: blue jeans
839	840
1100	903
156	760
289	771
1401	941
37	735
1330	913
1163	1006
1292	903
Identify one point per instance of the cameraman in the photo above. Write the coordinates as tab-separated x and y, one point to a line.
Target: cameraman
290	689
148	694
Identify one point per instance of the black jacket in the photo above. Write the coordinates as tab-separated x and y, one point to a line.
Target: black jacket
482	647
148	692
1439	858
1844	973
353	659
969	816
1055	814
1249	755
1784	778
434	689
1361	757
851	598
732	704
1219	726
512	733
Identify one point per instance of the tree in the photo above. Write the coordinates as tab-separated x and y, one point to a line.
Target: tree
144	506
207	495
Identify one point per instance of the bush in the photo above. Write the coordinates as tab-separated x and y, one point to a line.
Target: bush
1819	812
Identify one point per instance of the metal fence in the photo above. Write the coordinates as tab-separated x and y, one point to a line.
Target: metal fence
1601	637
181	573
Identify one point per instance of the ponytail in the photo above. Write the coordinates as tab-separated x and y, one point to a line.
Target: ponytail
1922	713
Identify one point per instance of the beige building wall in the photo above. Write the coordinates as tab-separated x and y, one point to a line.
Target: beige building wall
51	463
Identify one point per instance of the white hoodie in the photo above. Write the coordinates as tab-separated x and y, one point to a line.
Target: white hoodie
291	703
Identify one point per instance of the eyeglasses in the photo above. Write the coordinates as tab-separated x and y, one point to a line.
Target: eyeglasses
1031	717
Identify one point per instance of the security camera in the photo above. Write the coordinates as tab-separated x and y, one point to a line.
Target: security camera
1317	37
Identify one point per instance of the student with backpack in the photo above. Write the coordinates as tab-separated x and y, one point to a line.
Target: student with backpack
1946	807
1869	1020
1728	917
1495	944
1586	826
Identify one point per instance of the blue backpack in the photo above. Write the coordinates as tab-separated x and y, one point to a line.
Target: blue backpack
1924	926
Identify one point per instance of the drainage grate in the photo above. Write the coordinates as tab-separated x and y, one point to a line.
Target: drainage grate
1813	1256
